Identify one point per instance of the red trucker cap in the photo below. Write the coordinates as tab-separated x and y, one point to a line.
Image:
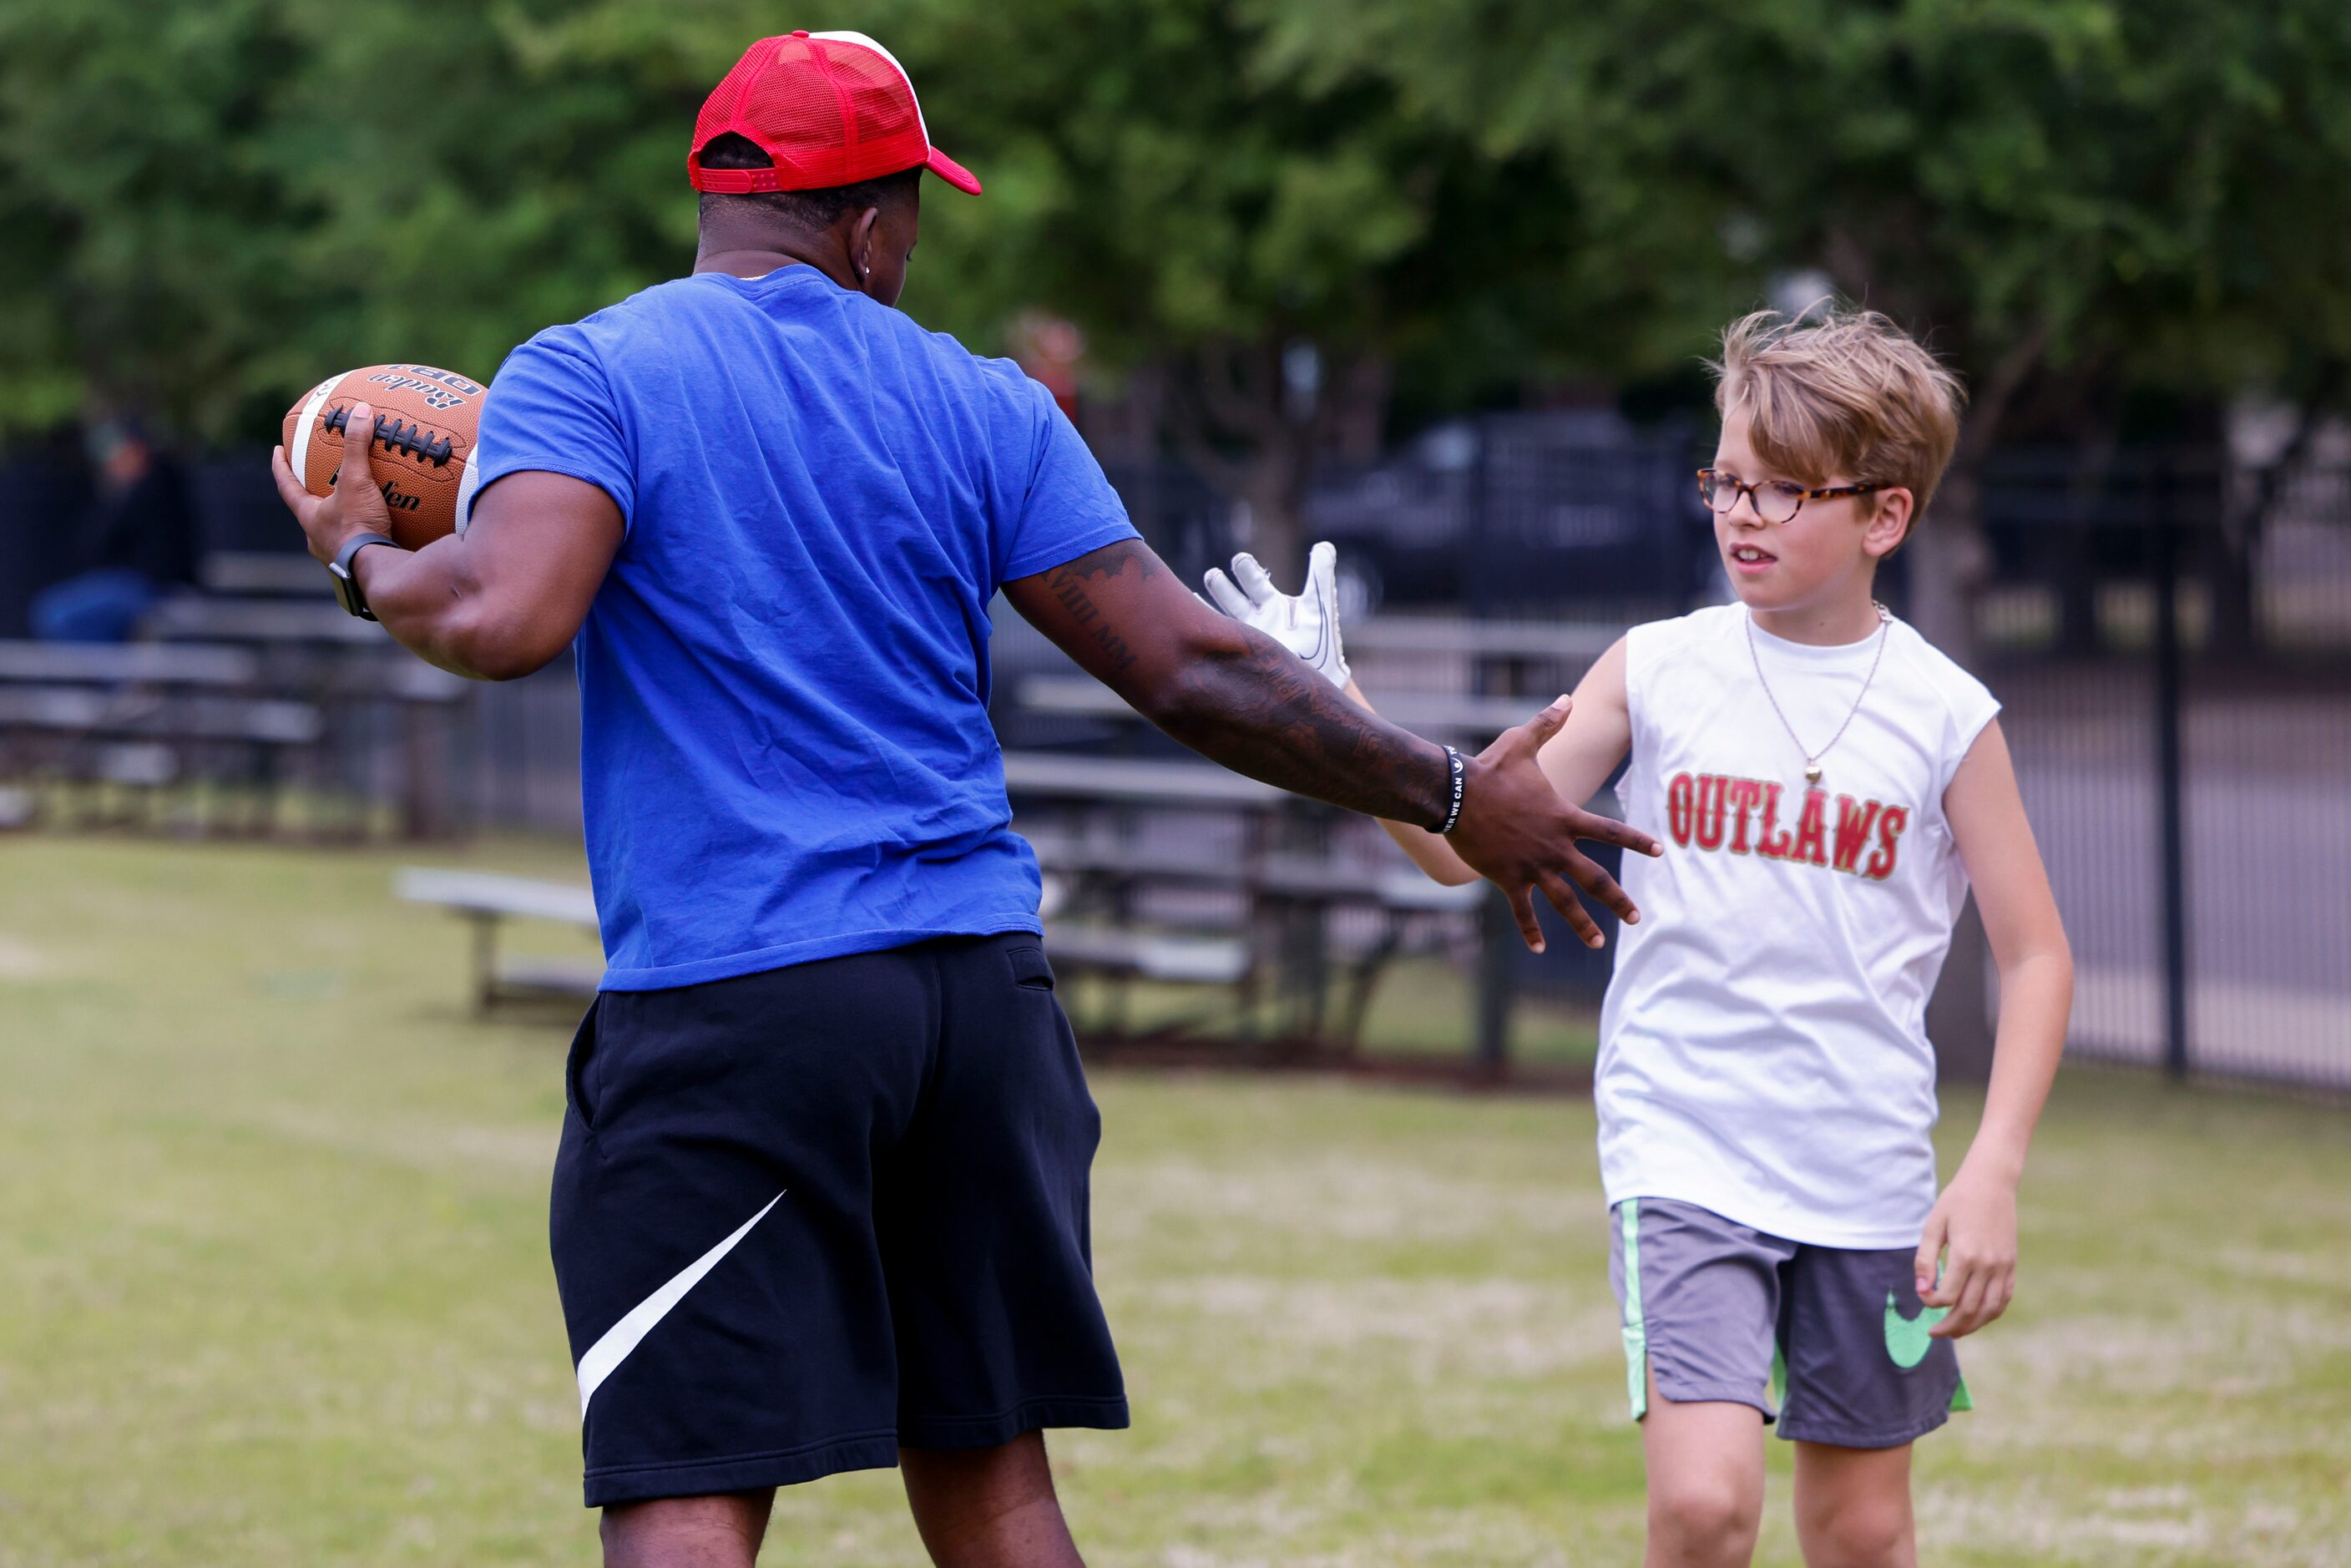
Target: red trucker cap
830	109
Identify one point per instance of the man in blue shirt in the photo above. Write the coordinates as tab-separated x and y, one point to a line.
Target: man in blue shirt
820	1202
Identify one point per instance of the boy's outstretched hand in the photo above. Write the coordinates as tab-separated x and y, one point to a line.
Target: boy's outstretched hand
1975	1222
1518	834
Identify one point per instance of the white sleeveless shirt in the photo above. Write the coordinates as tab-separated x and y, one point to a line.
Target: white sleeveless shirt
1763	1048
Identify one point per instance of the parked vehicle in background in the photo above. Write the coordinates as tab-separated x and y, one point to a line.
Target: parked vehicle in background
1521	513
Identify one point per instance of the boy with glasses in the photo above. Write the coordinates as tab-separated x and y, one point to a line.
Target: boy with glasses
1829	787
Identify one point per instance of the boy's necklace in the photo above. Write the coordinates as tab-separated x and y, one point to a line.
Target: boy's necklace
1811	758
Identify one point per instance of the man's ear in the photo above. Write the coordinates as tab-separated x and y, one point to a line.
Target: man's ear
861	243
1889	525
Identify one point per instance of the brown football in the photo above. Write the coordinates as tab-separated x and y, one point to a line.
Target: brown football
424	424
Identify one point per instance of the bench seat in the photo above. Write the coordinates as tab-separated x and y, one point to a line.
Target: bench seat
264	721
1148	955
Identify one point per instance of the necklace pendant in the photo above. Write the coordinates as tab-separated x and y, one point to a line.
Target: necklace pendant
1812	772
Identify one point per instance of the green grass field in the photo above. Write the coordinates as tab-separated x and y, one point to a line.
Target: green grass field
1421	1012
272	1234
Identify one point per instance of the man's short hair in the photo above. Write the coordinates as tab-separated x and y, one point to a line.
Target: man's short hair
1841	393
817	209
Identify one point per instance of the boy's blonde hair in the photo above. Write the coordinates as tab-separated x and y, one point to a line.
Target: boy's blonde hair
1845	392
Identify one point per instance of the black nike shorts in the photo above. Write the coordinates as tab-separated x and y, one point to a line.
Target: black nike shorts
803	1219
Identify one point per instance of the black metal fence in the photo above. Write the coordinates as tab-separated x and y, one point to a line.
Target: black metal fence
2170	634
2172	639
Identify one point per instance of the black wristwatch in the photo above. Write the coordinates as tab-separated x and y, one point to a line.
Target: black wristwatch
347	586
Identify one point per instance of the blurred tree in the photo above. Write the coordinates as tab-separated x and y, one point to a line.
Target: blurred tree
215	206
144	211
1261	208
1254	238
1259	235
2065	195
208	207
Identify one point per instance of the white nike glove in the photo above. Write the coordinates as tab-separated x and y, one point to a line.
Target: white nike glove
1306	624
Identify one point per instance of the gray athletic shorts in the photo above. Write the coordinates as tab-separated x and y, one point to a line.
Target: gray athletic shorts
1724	1312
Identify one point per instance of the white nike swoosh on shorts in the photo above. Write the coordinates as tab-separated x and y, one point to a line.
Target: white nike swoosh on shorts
607	1353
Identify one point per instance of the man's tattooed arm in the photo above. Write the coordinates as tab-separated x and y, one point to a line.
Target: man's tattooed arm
1235	695
1240	698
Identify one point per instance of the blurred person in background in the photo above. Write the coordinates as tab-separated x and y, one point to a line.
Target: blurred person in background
142	540
1830	786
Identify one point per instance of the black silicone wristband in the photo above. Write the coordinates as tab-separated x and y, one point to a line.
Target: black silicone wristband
1460	774
346	576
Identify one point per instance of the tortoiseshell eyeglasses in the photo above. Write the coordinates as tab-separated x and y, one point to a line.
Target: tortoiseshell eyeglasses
1776	500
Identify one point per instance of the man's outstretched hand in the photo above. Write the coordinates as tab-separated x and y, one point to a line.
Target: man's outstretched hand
1518	834
1241	698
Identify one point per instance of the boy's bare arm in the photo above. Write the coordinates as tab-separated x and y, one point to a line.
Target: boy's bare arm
1581	756
1577	760
1974	1219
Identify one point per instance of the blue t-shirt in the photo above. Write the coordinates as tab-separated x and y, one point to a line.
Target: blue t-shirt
785	752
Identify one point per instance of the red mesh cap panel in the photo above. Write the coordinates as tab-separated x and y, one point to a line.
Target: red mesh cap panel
885	133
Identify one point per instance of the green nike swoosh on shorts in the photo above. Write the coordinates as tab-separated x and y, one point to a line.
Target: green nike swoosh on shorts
1906	1340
